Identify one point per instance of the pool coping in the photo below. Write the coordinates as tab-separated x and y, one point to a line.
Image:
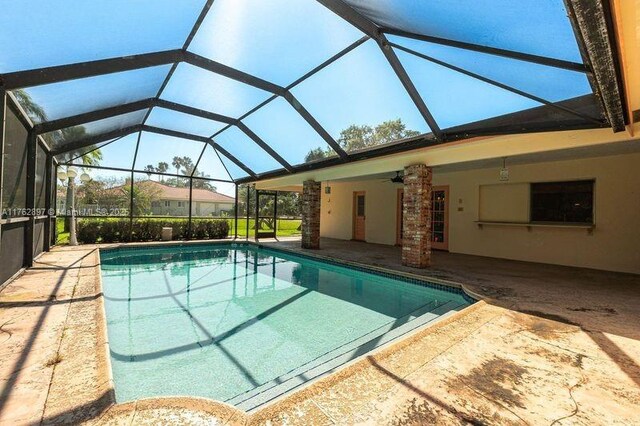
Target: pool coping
231	412
433	282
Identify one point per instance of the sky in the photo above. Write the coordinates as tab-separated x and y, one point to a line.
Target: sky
279	41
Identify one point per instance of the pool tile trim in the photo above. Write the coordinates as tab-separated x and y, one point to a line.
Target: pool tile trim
443	285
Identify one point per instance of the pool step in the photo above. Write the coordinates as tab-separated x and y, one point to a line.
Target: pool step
329	362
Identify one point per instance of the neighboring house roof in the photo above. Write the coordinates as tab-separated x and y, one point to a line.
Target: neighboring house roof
173	193
167	192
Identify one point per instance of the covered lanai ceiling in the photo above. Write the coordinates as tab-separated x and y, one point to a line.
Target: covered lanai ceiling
248	88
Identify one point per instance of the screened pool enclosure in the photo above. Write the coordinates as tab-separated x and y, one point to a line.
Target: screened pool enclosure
215	94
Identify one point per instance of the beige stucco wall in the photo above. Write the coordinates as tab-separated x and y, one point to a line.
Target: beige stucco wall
614	244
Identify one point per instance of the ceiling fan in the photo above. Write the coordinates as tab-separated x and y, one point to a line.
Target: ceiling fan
396	179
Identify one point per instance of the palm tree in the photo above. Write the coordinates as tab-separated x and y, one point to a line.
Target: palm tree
177	163
162	168
32	109
91	158
149	169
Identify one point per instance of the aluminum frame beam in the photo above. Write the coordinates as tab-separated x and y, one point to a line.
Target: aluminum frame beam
57	74
512	54
100	114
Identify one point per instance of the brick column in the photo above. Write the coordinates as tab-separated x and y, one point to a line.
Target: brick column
311	214
416	238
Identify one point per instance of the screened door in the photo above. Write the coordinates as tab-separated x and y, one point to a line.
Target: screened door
265	225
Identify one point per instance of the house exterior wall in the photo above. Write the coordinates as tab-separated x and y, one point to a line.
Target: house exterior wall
200	208
614	244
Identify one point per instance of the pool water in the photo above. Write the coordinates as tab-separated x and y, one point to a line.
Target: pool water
244	324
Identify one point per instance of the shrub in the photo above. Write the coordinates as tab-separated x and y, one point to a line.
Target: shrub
218	228
88	231
111	230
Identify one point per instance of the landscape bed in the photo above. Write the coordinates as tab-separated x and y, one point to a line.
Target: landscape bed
244	324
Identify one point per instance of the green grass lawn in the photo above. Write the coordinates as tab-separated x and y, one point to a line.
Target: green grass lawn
286	227
62	237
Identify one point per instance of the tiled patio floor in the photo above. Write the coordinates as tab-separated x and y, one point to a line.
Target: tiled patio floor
550	345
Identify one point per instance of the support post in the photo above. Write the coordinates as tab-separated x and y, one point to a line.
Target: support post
256	225
48	182
235	222
30	198
131	200
311	192
275	215
54	202
248	200
3	109
189	227
416	218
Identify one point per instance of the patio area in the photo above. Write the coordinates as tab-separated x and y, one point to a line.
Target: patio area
545	346
378	166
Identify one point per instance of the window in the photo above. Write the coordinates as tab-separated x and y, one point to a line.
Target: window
360	206
562	202
180	204
167	203
155	204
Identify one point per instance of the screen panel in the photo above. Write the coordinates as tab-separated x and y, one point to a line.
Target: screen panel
235	171
105	193
457	98
42	33
284	130
238	144
157	195
119	153
210	166
41	165
186	123
286	29
14	171
356	94
69	98
166	154
550	83
212	92
59	138
521	25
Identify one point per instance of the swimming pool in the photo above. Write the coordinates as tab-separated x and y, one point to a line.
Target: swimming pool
244	324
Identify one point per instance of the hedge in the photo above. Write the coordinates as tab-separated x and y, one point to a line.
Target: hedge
111	230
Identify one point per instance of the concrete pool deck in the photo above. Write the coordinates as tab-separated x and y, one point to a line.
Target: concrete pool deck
547	345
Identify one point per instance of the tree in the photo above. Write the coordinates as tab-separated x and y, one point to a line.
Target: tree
144	193
87	156
162	167
289	203
91	158
177	163
315	154
149	168
32	109
187	165
356	137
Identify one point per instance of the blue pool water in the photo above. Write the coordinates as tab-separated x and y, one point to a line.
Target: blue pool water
243	323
